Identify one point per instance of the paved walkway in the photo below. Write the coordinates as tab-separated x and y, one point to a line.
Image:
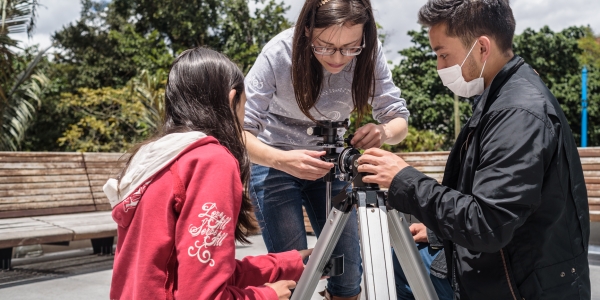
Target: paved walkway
96	285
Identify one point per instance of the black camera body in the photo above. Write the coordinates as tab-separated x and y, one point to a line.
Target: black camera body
346	160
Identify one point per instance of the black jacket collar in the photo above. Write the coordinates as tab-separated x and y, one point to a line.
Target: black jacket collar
485	101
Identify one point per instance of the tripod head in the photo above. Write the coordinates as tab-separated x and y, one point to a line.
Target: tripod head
346	160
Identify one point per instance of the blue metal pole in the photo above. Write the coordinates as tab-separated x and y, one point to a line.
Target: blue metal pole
584	105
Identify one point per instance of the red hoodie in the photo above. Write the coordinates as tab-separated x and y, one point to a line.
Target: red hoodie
176	230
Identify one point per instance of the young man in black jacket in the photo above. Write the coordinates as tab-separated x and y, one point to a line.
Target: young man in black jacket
512	208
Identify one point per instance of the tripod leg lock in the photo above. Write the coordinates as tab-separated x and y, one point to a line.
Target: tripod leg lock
335	266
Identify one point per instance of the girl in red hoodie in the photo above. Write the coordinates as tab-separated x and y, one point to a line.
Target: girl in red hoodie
181	201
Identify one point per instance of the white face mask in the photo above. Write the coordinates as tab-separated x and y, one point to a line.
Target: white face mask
452	78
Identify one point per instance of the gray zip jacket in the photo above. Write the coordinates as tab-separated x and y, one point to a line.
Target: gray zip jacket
271	110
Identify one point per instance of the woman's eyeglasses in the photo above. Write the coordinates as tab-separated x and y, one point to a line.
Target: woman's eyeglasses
346	51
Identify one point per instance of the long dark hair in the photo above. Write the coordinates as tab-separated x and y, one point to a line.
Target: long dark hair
307	72
197	99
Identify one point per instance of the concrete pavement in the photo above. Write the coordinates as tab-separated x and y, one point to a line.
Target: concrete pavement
96	285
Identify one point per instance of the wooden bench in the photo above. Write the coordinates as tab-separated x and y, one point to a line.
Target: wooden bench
433	164
57	197
590	161
48	198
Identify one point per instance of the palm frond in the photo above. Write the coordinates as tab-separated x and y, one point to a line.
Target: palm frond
150	89
23	76
18	16
17	117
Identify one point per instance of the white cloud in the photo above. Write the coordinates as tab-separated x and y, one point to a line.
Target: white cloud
52	16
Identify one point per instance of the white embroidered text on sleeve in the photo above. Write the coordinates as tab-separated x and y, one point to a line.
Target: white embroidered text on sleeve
213	223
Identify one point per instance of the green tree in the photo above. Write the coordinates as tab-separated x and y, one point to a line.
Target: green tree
558	57
114	119
113	40
223	25
101	49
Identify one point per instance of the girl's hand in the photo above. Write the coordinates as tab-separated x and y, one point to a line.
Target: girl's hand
303	164
282	288
369	136
419	232
305	253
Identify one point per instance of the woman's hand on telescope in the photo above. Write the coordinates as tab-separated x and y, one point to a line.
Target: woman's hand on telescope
303	164
369	136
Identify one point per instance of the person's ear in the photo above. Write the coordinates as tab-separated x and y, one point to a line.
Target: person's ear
306	32
485	47
231	96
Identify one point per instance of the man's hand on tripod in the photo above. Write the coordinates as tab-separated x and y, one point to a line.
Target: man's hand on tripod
303	164
419	232
382	164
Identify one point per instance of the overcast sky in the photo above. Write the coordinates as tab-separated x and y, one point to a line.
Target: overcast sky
396	17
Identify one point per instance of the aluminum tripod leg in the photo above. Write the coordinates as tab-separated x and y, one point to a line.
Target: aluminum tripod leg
409	257
321	253
378	269
379	229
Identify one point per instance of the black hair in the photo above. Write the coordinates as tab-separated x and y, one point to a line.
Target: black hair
197	99
470	19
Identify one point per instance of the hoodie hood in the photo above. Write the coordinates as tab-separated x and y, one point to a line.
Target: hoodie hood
146	163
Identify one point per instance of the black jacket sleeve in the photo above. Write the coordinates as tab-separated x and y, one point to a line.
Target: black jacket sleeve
515	148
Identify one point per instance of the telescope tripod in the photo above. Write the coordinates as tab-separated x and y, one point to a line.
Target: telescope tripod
380	228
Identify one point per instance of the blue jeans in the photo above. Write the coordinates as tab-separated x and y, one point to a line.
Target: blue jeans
278	198
428	254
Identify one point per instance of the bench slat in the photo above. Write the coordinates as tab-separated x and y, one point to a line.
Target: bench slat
51	178
97	189
46	211
43	172
594	200
42	185
19	224
85	226
47	198
42	165
40	158
103	206
109	157
589	152
53	204
591	167
38	154
98	177
430	169
590	180
105	171
590	160
428	163
42	192
39	232
100	197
